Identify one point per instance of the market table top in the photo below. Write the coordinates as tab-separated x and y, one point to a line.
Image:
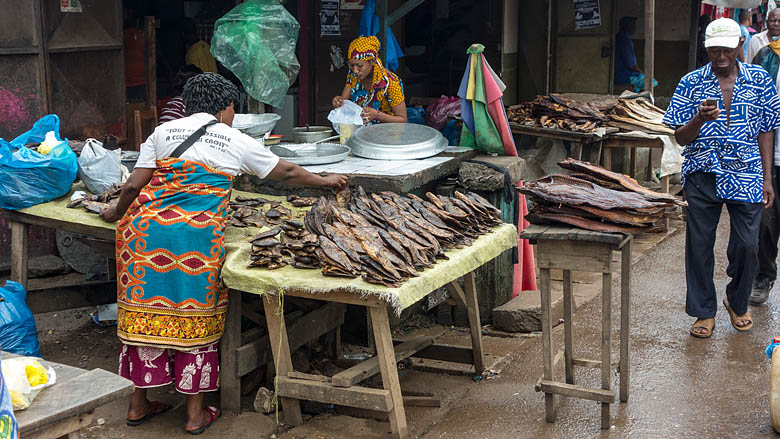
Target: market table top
237	275
555	133
77	391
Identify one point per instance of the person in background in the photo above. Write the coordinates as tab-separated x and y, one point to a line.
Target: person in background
198	51
625	55
380	92
761	39
174	109
769	233
701	51
172	213
725	115
135	57
744	24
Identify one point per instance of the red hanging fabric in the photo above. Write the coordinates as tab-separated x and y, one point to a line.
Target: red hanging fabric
525	268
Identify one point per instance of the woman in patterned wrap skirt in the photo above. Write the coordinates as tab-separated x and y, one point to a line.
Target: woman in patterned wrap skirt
170	248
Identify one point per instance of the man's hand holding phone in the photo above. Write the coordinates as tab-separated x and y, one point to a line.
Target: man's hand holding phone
708	110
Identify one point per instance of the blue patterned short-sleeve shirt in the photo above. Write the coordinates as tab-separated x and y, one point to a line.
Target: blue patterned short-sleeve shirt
728	149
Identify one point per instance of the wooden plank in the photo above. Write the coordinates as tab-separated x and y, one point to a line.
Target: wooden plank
575	256
607	156
474	322
561	233
294	389
252	335
370	367
340	296
280	346
544	289
421	401
308	377
230	380
568	326
72	398
252	316
625	321
575	391
151	64
309	327
19	252
606	344
384	352
649	70
693	29
457	293
98	232
66	428
554	133
556	360
583	362
445	352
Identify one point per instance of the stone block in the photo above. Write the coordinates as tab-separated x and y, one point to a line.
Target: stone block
524	312
474	176
45	266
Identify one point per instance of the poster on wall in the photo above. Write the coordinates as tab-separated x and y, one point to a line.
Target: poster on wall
329	18
587	14
352	4
70	5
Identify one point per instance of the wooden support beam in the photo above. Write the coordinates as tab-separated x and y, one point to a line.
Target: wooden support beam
649	44
19	252
693	32
150	40
370	367
282	358
457	293
362	397
474	323
402	10
384	352
230	380
625	320
575	391
421	401
67	428
381	12
308	377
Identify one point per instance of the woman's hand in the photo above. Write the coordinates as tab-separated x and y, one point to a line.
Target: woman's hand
337	101
110	214
369	114
336	181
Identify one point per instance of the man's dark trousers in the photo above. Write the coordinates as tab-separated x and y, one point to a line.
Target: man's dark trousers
703	214
768	235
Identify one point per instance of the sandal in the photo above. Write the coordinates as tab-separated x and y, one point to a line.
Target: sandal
739	318
157	408
214	413
706	324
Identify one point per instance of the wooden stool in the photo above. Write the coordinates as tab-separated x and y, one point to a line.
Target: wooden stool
570	250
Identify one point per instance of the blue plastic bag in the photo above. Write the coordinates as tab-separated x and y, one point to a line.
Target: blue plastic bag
18	333
415	115
27	177
9	429
369	25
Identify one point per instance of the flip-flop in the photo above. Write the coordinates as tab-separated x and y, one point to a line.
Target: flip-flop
214	413
157	408
734	317
706	324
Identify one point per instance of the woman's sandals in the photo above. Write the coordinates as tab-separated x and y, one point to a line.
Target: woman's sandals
745	319
702	328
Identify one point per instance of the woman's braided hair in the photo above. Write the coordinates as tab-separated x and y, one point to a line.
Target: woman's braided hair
208	93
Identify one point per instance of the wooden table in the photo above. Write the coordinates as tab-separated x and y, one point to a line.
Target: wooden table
578	140
570	249
64	409
342	388
632	143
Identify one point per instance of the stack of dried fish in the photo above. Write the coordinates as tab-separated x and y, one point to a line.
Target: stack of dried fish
638	115
594	198
96	203
297	201
245	212
555	111
384	237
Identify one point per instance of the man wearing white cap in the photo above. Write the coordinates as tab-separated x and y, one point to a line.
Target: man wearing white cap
724	113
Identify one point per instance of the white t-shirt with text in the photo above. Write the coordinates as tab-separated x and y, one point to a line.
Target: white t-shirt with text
221	147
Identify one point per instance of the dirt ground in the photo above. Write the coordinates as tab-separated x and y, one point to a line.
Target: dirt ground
680	386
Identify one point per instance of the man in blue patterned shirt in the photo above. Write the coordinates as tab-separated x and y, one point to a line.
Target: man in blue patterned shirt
724	113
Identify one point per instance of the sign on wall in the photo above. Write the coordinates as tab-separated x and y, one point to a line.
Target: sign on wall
587	14
329	18
70	5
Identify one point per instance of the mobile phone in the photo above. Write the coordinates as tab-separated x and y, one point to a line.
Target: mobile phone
711	102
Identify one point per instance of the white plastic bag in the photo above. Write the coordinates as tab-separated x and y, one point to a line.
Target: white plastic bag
18	380
346	119
99	168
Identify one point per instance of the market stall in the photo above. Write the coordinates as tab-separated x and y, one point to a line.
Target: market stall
239	354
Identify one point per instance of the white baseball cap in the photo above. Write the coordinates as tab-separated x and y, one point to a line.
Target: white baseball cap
723	32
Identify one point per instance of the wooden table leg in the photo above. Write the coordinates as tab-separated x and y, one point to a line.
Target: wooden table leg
576	150
595	154
474	322
230	382
568	326
607	158
606	343
632	163
625	320
387	366
19	249
280	347
544	289
665	189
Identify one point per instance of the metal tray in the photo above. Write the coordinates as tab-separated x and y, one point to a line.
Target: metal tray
312	154
397	141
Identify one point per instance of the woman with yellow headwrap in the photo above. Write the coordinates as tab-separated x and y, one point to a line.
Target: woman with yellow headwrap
379	91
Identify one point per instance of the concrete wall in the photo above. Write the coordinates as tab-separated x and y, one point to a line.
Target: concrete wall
532	49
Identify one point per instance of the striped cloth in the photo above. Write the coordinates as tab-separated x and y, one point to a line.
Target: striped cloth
173	110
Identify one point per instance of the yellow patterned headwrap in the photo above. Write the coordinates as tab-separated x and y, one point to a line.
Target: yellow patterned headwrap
364	48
